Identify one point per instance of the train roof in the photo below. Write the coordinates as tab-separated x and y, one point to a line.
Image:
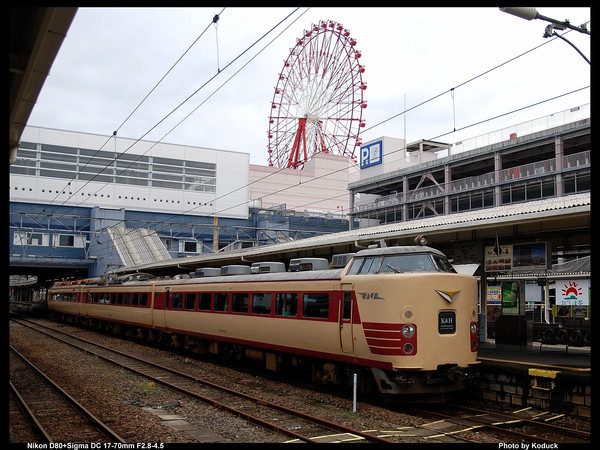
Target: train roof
315	275
398	250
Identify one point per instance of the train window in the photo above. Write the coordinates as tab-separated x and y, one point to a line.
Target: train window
286	304
119	298
443	264
371	265
240	303
204	302
408	263
316	305
143	299
113	298
176	300
221	301
355	267
134	299
190	301
127	298
347	305
261	303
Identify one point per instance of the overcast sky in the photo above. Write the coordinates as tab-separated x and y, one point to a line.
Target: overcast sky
112	58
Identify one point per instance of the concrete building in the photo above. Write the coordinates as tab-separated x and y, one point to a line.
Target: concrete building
92	203
548	157
320	187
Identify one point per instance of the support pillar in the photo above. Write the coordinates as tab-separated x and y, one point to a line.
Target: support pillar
215	234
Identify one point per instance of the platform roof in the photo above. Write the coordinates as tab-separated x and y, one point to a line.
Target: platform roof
544	215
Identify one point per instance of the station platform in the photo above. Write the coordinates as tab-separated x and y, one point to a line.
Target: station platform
555	357
552	378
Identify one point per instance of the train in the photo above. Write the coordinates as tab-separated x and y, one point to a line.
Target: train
400	317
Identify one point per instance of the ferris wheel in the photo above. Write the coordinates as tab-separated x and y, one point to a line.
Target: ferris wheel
318	102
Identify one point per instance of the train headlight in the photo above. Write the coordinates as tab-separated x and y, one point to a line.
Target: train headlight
408	330
473	328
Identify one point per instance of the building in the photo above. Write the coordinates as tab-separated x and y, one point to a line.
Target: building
548	157
82	204
515	171
303	190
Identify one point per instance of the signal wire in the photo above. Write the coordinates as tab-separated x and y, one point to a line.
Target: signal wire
172	67
451	90
386	120
400	149
114	134
175	109
339	170
420	104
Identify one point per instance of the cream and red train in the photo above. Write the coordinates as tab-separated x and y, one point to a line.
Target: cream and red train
400	314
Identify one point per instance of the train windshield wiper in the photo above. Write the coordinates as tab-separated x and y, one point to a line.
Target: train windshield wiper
394	268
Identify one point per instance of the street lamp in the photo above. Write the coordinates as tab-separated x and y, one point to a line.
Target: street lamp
532	13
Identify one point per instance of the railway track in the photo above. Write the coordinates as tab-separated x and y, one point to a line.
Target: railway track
274	417
55	415
512	427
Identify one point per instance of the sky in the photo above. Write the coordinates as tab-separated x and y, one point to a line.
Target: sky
219	94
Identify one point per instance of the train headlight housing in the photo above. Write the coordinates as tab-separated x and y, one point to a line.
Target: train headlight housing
473	328
408	348
408	330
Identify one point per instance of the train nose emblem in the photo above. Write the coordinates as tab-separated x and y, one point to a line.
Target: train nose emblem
450	296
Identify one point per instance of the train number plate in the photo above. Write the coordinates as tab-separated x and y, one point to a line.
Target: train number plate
447	322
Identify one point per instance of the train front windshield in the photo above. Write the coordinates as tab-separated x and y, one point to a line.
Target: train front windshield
409	263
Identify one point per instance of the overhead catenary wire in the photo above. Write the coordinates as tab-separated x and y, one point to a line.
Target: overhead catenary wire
216	213
189	97
115	132
306	181
367	129
401	149
451	90
172	67
175	109
432	98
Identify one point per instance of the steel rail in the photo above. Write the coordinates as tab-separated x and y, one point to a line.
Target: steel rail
105	429
315	420
37	424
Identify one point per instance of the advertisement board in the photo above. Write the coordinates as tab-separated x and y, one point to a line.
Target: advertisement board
572	292
517	257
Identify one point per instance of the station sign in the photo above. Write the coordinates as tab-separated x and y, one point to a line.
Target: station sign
371	154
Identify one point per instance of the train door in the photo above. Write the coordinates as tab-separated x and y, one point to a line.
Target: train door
345	319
